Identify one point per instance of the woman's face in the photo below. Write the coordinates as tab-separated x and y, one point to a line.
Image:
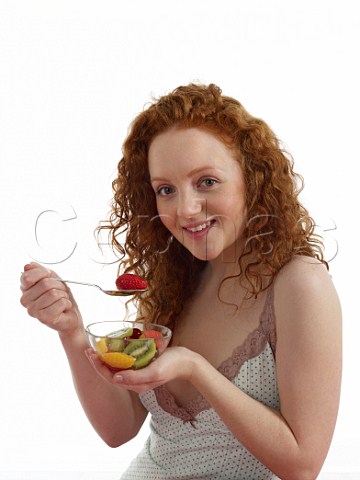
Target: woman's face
200	192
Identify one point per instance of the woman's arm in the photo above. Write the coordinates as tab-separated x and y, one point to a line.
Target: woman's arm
293	443
116	413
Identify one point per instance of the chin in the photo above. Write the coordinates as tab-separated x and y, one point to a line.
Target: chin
208	252
206	256
225	256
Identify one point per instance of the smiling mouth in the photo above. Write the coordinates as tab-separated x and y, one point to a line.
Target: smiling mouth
199	228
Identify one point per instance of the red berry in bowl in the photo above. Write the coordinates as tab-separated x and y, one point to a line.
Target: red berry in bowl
136	333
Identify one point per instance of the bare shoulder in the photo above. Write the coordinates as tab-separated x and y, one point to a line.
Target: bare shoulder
308	352
302	282
307	310
300	267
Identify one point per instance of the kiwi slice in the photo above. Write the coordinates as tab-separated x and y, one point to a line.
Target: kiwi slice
123	333
116	340
142	350
115	344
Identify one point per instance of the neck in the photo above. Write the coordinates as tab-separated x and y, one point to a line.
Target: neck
226	264
215	272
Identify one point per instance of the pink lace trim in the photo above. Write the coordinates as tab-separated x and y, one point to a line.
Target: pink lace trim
253	346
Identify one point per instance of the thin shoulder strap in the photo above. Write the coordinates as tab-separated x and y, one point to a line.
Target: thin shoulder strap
268	320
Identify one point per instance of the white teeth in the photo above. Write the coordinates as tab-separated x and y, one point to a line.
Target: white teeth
199	227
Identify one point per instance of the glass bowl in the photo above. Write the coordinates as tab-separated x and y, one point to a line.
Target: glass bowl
123	345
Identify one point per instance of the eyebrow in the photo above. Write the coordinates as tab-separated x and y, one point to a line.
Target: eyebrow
190	174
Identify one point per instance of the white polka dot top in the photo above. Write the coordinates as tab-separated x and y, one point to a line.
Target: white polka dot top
193	442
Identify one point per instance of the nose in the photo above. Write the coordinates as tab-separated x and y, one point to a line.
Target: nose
189	204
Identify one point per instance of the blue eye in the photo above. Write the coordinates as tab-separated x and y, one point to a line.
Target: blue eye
164	191
208	182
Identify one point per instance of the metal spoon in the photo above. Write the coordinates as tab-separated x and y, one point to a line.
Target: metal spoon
114	293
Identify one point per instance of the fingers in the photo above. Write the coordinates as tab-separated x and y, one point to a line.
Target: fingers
40	286
162	370
174	363
32	274
138	377
43	293
44	297
97	364
140	381
135	380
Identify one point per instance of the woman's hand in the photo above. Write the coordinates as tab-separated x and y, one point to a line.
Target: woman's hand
49	300
174	363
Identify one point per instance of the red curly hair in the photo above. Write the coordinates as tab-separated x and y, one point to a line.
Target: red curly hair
278	226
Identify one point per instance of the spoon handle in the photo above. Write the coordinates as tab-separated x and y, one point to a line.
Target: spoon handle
114	293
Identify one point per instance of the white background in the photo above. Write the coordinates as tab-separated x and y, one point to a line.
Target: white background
73	76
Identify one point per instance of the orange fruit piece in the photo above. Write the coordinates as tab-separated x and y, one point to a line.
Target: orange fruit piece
101	346
118	360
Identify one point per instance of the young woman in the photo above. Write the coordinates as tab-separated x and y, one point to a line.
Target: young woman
250	386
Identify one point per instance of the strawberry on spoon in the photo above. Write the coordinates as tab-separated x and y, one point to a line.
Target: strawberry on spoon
131	282
127	284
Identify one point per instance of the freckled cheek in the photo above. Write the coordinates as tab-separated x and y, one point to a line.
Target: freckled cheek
168	224
237	216
235	208
167	217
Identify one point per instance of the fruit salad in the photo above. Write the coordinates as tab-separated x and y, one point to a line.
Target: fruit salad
129	347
